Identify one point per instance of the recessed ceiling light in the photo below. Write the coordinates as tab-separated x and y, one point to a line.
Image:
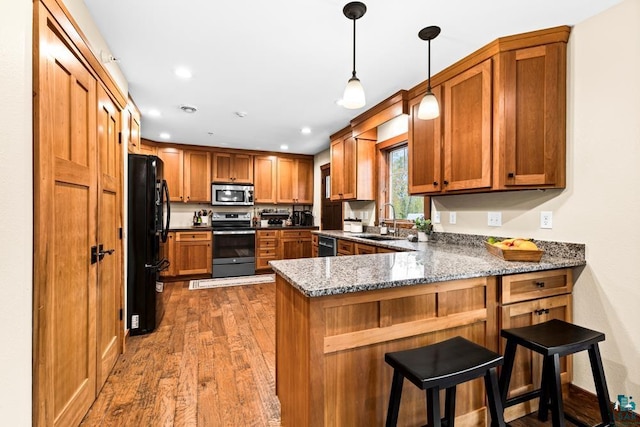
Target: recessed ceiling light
153	113
305	130
165	135
241	113
183	73
284	147
188	109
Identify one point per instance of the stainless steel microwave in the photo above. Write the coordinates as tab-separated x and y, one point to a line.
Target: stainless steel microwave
231	195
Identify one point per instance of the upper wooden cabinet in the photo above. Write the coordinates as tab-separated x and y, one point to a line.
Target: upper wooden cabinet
197	176
232	167
147	149
503	119
352	168
295	181
265	183
187	173
132	123
530	117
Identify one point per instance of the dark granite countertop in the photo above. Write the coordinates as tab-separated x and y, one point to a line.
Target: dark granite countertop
287	227
450	257
191	228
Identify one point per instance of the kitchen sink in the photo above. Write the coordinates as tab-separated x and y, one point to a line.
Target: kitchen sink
379	237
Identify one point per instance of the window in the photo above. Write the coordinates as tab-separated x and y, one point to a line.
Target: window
406	206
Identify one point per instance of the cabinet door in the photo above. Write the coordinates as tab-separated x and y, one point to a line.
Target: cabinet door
193	253
132	121
467	129
222	167
362	249
337	169
197	173
168	252
425	148
148	150
527	368
286	178
243	168
173	171
534	128
304	181
349	169
265	174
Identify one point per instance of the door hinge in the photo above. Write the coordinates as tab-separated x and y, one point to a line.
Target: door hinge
120	232
120	137
121	313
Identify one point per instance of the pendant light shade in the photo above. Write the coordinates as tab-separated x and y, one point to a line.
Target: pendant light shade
354	92
429	108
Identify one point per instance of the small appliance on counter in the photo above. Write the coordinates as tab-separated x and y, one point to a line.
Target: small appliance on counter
303	218
274	217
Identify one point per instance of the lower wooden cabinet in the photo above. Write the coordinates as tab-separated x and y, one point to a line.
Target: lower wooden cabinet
524	301
189	253
345	247
314	245
272	245
266	248
363	249
295	244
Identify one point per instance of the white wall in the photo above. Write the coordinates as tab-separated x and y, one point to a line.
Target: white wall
16	227
601	204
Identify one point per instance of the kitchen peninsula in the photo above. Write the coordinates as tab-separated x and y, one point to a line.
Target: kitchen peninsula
336	317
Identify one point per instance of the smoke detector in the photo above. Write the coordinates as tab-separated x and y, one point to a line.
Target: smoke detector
188	109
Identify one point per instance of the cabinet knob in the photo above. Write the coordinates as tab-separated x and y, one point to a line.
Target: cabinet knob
435	183
511	175
542	311
445	182
540	284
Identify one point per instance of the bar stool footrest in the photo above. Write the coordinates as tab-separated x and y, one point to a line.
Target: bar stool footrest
522	398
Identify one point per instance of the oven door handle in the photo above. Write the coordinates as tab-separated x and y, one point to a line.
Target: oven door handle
230	232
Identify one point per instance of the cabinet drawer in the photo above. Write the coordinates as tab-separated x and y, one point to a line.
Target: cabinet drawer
193	236
362	249
345	248
540	284
302	234
267	234
268	253
266	244
263	262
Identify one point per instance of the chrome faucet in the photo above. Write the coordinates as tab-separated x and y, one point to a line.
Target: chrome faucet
393	231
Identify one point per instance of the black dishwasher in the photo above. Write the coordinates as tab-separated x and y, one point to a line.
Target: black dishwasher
327	246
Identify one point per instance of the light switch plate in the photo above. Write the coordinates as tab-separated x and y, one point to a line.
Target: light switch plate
436	217
452	217
494	219
546	219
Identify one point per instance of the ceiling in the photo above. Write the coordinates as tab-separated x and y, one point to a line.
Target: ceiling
285	63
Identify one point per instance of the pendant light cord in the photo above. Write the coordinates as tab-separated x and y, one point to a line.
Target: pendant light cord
353	73
429	65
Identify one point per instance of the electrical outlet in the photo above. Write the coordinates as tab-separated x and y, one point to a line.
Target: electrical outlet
494	219
436	217
452	217
546	219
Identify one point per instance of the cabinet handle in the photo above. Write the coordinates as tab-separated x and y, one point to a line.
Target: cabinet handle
511	175
542	311
435	183
445	182
540	284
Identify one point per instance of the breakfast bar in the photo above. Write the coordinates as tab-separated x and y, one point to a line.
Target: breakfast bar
336	317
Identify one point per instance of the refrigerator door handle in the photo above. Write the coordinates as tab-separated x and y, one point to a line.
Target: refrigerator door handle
161	265
165	231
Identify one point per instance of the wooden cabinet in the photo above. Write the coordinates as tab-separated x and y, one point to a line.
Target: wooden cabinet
148	149
425	150
187	173
168	252
528	299
173	159
352	168
345	247
131	120
295	244
193	253
265	179
267	242
232	167
314	245
530	117
295	181
363	249
197	176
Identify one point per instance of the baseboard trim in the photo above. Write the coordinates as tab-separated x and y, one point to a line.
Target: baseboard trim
616	414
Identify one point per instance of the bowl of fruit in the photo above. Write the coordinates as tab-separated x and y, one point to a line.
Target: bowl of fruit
517	249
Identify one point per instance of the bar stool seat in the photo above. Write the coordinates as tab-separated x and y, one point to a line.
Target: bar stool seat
553	339
443	366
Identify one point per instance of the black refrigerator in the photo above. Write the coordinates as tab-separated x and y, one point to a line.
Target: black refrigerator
148	225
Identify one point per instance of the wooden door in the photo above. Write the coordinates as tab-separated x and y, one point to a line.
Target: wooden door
134	133
173	171
425	148
330	210
533	119
243	168
304	181
467	129
349	169
265	174
286	180
197	175
110	281
222	167
65	194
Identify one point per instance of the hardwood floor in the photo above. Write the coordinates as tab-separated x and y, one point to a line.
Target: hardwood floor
211	363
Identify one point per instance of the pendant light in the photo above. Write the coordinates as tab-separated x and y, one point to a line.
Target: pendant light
429	108
354	93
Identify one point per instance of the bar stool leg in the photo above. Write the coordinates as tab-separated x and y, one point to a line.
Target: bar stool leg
556	393
545	388
394	399
601	385
433	407
507	368
450	406
493	396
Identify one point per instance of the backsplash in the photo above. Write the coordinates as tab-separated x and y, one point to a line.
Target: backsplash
182	213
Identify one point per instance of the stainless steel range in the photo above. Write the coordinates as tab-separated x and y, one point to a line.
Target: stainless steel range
234	244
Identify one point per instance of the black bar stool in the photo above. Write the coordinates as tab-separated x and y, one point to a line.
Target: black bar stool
443	366
553	339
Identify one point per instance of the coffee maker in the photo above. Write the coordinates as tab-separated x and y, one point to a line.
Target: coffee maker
305	218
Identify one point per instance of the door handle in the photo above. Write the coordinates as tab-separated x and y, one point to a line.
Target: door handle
97	253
